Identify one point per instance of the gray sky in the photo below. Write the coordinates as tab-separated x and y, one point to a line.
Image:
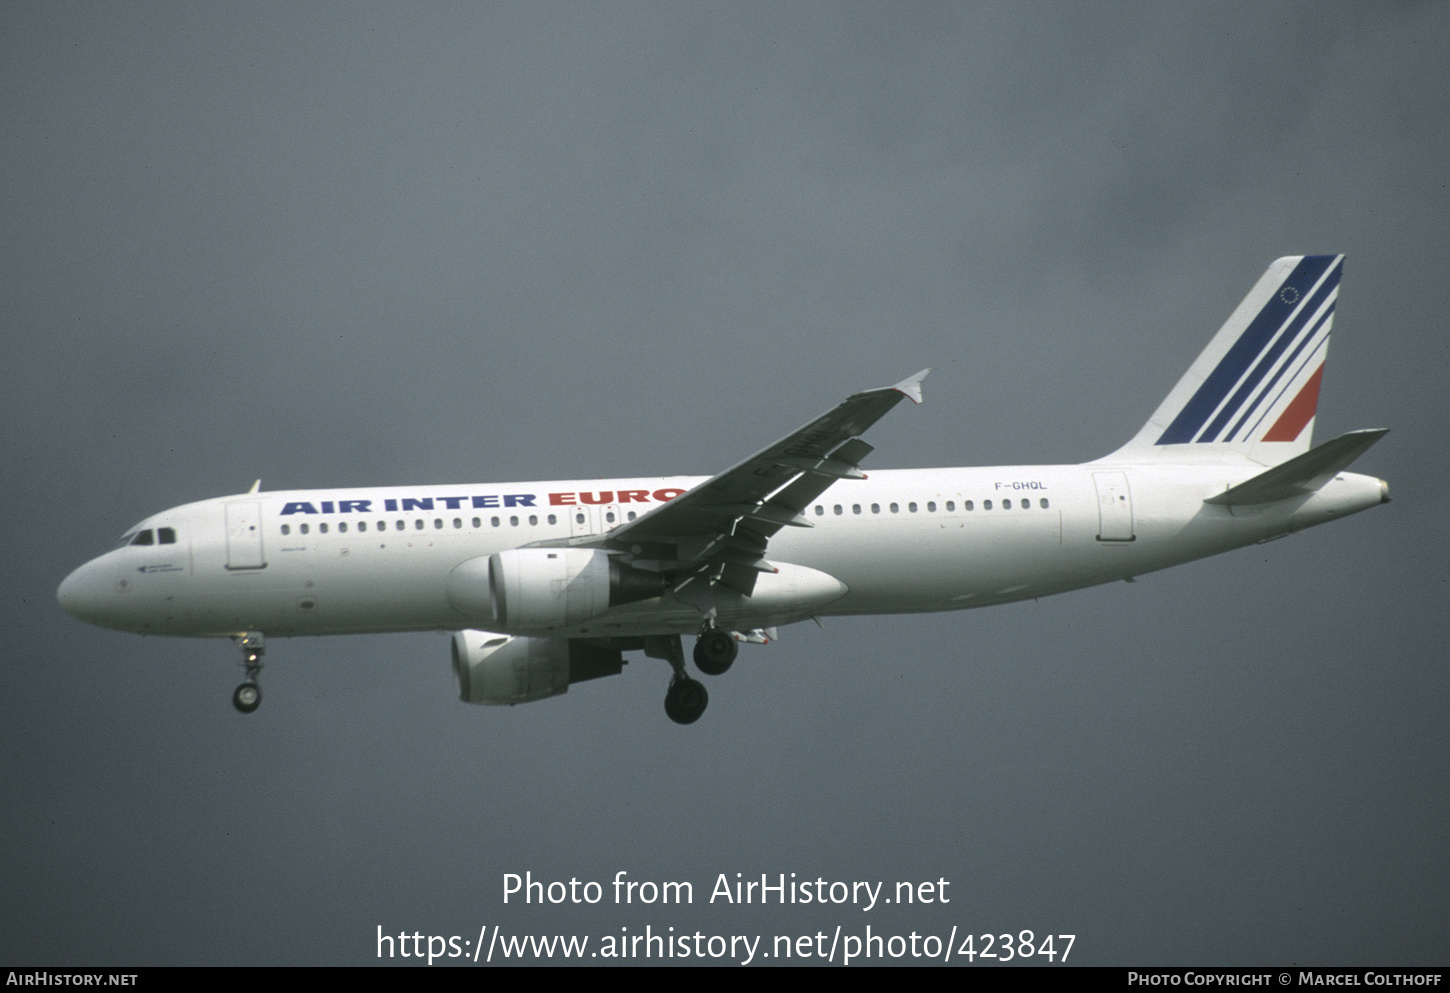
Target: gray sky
337	245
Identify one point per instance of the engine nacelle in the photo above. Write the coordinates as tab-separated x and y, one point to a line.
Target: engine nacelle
498	668
533	589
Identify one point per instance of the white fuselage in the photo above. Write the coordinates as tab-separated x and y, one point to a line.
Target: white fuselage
379	559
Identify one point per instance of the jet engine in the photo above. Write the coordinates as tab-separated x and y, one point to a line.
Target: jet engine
497	668
526	589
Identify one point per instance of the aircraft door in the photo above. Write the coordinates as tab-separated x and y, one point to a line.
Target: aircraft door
579	523
1115	506
609	517
594	519
244	535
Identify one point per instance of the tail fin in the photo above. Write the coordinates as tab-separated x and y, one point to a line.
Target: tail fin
1252	394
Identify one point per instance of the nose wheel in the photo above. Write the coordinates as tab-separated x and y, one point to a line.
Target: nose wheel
248	696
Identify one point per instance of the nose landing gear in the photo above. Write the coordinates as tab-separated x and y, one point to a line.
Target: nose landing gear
248	696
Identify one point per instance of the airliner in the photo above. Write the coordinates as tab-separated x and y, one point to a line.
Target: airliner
547	584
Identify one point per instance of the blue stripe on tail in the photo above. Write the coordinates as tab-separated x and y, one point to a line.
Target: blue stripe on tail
1260	336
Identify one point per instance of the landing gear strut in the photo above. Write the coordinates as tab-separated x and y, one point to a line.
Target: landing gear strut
715	651
687	698
248	696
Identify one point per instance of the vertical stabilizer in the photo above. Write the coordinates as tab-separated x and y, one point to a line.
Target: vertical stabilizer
1252	395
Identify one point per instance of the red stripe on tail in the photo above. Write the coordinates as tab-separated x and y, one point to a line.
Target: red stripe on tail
1300	412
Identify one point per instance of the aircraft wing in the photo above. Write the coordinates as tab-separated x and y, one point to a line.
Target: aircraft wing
718	531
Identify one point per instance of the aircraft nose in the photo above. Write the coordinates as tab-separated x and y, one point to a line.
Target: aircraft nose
82	594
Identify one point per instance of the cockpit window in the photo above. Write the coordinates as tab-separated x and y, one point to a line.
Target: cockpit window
125	539
143	538
166	536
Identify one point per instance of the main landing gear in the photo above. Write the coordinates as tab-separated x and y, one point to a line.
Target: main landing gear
715	651
248	696
687	698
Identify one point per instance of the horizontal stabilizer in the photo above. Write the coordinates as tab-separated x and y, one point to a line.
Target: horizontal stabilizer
1302	474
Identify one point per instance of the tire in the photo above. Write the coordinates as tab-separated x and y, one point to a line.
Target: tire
247	698
715	652
686	701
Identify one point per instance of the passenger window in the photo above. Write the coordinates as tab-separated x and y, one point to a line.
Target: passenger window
838	510
579	518
911	507
855	508
1026	504
632	516
951	505
362	525
286	529
322	528
493	521
1007	504
166	536
931	506
401	525
986	504
1043	503
513	522
142	538
895	508
534	520
477	522
876	508
820	511
418	524
342	527
967	505
302	528
457	523
609	517
437	523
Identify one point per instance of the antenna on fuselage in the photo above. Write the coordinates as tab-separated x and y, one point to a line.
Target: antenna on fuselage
256	487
